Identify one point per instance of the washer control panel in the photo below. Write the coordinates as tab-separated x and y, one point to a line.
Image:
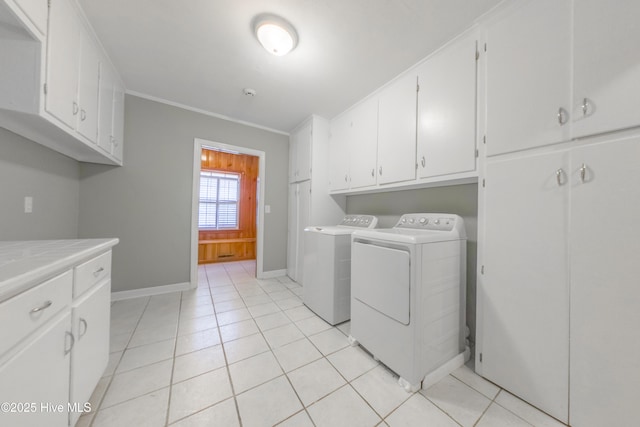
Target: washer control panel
360	221
428	221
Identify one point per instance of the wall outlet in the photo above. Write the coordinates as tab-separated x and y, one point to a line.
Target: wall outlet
28	204
267	209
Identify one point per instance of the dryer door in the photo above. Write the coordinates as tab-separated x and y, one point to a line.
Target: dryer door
381	278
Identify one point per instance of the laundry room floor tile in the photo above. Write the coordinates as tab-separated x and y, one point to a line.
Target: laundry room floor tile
256	356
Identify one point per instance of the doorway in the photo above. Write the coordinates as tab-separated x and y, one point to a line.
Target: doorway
224	227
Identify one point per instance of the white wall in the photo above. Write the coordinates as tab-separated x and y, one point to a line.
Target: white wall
147	202
29	169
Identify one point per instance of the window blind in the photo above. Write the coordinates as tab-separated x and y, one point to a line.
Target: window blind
219	198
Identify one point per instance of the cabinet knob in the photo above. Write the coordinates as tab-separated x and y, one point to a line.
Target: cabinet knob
585	106
562	116
80	331
583	173
73	342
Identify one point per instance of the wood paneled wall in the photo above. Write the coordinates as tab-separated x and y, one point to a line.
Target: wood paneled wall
232	245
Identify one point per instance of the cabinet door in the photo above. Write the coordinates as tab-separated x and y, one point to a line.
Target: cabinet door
63	56
447	111
525	288
117	147
339	153
105	113
88	88
303	152
363	147
304	213
606	66
528	76
39	373
605	296
397	131
293	158
292	239
90	354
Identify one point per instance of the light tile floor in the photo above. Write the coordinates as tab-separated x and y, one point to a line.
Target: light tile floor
242	351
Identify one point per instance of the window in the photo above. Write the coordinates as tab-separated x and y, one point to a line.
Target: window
219	195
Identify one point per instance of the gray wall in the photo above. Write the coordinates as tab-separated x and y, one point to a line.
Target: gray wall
29	169
458	199
147	202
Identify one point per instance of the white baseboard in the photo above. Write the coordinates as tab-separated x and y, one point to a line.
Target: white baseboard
271	274
444	370
154	290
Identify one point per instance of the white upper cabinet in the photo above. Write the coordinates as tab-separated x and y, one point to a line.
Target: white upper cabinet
50	89
88	89
37	11
300	153
339	141
111	112
447	110
397	131
606	66
105	128
363	144
63	60
117	145
528	76
73	71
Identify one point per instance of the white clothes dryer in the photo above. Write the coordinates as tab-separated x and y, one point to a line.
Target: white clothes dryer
408	291
327	267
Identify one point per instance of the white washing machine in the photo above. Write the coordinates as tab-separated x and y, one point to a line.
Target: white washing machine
408	290
327	267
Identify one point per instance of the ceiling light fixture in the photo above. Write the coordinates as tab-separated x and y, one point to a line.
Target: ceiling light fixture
275	34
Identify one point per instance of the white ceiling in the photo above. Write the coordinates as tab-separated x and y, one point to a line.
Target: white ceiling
202	53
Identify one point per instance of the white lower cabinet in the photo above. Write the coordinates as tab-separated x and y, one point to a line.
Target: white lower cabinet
90	355
58	349
558	294
35	380
525	288
605	296
299	218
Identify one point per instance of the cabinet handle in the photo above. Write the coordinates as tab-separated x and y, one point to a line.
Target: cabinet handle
583	172
98	271
83	115
345	178
562	116
380	170
44	306
423	161
373	172
559	173
86	326
75	108
73	342
585	106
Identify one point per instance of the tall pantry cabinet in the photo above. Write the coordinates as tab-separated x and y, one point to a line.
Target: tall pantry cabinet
558	301
309	199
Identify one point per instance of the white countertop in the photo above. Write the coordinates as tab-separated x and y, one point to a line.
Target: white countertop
24	264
